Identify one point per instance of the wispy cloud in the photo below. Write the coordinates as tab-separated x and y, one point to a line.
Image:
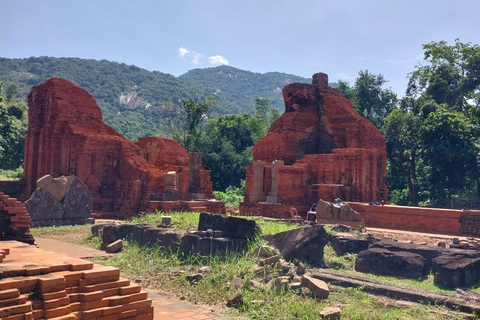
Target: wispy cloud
218	60
197	58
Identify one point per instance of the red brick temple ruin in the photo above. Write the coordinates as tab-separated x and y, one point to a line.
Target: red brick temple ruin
320	148
67	136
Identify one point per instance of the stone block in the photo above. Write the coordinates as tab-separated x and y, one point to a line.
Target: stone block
231	226
348	243
457	270
115	246
302	243
318	287
391	263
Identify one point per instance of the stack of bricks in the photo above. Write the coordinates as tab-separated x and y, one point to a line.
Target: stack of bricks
14	220
39	284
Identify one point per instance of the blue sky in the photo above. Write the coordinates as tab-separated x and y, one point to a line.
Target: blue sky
300	37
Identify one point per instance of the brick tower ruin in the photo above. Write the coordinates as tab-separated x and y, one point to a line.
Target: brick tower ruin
320	148
66	136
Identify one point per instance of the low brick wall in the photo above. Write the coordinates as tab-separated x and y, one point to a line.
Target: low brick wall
429	220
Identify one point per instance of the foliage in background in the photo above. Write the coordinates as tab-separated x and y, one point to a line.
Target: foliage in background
232	195
13	128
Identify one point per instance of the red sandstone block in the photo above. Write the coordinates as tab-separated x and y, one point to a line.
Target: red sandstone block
111	292
71	290
80	264
13	301
57	312
54	295
9	293
137	305
76	306
91	314
18	309
112	310
90	296
71	277
88	282
128	314
71	316
4	312
133	288
36	270
145	310
101	272
91	305
110	317
55	303
38	314
104	286
118	300
37	304
14	317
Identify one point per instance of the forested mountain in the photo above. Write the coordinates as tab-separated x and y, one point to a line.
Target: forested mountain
236	89
132	98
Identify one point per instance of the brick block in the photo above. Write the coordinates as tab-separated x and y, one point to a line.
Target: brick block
90	296
109	317
127	314
104	286
57	312
55	303
133	288
112	310
148	316
101	272
54	295
9	293
91	305
137	305
91	314
121	300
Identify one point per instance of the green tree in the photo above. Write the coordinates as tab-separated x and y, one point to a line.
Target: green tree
404	147
185	120
13	129
263	118
227	149
451	151
451	76
369	98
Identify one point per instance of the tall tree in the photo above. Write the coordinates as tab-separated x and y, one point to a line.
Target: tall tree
263	118
369	98
451	76
451	150
13	129
227	149
404	147
185	121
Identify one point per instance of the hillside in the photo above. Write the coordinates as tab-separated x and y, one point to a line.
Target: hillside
236	89
130	96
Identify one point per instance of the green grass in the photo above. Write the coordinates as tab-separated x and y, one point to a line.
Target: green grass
11	174
166	272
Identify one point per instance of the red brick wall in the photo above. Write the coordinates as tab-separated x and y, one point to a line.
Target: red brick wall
429	220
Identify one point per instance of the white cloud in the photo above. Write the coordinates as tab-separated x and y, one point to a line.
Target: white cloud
182	52
197	58
218	60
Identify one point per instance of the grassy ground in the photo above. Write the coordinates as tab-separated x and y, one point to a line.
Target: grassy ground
167	273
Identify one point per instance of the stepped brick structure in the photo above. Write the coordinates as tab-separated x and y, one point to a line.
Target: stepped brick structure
14	221
320	148
38	284
66	136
